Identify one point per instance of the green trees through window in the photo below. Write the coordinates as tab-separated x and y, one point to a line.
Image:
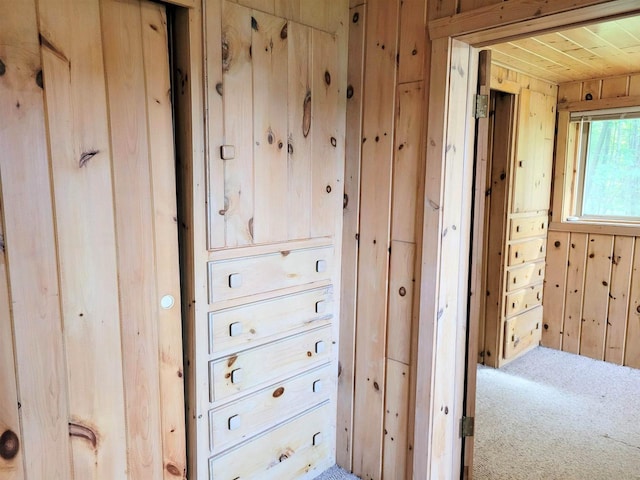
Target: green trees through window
612	169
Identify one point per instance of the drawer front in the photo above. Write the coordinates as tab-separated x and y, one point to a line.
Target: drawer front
522	332
239	421
518	302
237	328
528	251
240	277
257	366
292	450
526	275
524	227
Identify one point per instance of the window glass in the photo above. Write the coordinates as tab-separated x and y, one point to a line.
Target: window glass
612	169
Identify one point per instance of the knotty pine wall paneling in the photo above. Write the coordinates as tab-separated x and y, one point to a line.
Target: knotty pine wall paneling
590	287
389	57
88	201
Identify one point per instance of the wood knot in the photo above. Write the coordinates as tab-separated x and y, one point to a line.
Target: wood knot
349	91
402	291
327	77
254	24
278	392
84	432
345	201
39	80
284	32
328	189
86	156
219	88
306	115
3	68
173	470
334	142
355	18
557	244
9	445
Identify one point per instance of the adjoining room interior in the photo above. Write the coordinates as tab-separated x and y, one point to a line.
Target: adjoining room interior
562	258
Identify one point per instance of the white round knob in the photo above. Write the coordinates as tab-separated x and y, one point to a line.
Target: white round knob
167	302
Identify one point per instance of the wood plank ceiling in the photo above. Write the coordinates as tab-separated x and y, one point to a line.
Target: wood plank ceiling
599	50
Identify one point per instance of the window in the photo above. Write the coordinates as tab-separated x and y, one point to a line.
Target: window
607	183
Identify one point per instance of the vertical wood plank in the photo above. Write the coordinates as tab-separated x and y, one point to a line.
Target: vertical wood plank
30	247
396	420
299	144
574	293
326	16
326	187
12	468
413	29
591	88
81	168
621	264
615	87
632	349
400	301
270	60
217	203
238	121
596	299
436	145
123	53
163	186
351	218
555	282
407	156
190	149
373	267
570	92
262	5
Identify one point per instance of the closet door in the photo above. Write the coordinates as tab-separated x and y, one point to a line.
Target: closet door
90	240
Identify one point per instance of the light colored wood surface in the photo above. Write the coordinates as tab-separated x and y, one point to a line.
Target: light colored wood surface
11	468
596	299
621	264
30	248
395	420
167	269
413	46
288	452
350	236
574	293
269	58
402	264
605	49
588	305
375	232
133	202
632	349
555	283
83	197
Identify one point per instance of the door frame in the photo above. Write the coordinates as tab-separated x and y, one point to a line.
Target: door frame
443	323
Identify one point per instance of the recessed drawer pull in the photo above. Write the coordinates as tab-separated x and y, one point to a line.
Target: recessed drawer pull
320	347
317	439
321	266
317	386
234	422
235	329
321	306
235	280
236	375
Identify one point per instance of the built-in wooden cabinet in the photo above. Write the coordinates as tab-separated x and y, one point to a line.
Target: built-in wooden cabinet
523	128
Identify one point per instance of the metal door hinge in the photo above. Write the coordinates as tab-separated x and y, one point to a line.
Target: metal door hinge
467	426
482	106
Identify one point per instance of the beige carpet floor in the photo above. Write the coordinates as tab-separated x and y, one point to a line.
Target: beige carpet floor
336	473
551	415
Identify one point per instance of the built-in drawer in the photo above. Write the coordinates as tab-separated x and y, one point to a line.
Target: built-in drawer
521	300
240	277
240	327
239	421
522	332
257	366
527	251
524	227
525	275
299	448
